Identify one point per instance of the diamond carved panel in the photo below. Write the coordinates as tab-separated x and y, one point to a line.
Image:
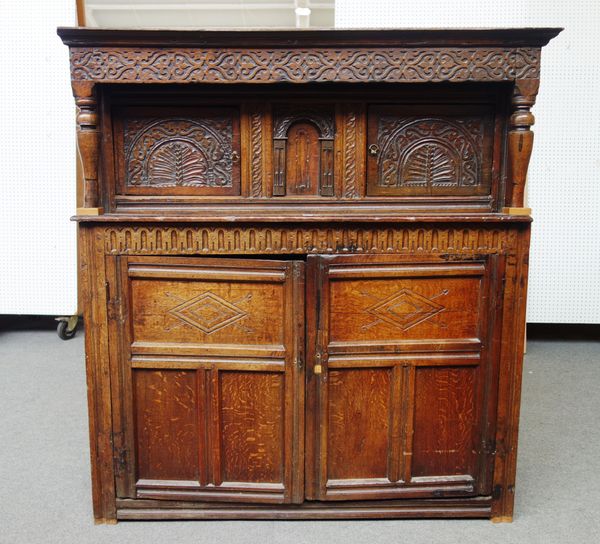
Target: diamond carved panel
208	312
405	309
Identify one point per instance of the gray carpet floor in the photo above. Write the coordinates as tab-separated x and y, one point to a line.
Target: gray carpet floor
45	483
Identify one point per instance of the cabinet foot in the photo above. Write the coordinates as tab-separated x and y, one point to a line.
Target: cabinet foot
501	519
105	521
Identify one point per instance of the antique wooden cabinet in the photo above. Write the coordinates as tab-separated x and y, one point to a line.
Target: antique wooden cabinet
304	260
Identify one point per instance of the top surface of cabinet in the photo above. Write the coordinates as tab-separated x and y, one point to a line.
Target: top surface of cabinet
379	140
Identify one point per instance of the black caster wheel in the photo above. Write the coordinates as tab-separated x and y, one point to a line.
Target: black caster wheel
67	327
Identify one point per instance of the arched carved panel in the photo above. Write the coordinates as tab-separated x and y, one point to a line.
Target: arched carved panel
417	155
302	158
178	152
303	151
429	152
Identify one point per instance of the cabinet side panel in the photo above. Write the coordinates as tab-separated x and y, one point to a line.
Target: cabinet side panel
94	296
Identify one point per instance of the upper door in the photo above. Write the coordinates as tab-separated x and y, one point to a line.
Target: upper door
209	358
161	151
401	376
418	150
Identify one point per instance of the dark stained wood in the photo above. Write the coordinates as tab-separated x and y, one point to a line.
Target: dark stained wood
314	37
304	301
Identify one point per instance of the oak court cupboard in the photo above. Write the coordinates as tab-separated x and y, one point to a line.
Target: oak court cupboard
304	259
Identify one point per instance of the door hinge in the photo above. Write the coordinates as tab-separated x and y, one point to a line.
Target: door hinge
489	447
121	459
497	492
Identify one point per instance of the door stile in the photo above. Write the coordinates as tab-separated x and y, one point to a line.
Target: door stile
214	438
122	381
311	454
320	371
296	388
490	357
408	421
203	424
395	458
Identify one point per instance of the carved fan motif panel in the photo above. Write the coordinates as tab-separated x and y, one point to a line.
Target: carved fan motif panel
436	153
179	152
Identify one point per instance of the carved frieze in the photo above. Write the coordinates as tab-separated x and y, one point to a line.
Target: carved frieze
235	239
178	152
412	64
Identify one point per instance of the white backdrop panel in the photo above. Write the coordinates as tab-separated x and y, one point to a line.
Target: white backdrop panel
37	161
564	184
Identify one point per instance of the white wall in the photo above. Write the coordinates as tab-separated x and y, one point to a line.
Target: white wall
564	180
37	161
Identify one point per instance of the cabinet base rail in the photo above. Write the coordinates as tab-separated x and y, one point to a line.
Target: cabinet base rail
132	509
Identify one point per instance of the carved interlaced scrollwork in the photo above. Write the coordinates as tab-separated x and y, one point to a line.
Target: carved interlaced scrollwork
411	64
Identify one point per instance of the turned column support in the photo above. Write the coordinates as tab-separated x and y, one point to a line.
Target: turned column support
88	138
520	138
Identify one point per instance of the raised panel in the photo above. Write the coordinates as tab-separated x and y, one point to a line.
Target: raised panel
252	427
403	305
185	307
167	426
302	159
430	150
185	151
358	423
446	424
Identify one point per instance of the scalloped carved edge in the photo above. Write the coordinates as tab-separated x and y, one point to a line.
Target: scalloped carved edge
276	240
189	65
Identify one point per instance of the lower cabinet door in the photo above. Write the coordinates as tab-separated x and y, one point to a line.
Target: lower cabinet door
401	376
209	357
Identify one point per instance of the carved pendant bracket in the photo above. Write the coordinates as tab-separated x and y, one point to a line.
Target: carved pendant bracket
520	138
88	139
